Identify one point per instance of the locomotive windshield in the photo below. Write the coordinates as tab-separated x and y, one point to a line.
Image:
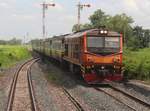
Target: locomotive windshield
103	45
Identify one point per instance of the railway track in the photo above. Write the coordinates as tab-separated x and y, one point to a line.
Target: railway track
73	100
21	94
125	98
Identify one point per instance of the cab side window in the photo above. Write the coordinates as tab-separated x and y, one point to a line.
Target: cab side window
76	51
66	49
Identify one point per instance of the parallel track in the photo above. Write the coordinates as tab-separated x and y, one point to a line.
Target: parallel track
99	89
126	94
73	100
132	97
26	67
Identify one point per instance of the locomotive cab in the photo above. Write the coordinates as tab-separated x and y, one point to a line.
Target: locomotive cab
102	56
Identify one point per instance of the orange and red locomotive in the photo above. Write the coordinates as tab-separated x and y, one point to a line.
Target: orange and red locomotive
94	53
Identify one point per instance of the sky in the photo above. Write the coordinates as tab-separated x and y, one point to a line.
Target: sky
23	18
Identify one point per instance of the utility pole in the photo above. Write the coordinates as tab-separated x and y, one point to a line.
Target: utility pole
80	7
44	8
24	40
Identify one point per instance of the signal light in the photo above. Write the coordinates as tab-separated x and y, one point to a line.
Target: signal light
88	5
53	5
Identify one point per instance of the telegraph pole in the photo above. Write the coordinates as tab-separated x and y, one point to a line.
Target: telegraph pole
44	8
80	7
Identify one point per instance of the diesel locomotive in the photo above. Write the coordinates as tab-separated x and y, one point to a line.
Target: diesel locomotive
96	54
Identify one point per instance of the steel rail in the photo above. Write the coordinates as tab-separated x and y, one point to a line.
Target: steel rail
31	89
13	85
131	96
73	100
99	89
113	86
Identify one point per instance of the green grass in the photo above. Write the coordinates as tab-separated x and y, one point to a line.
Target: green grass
137	64
10	55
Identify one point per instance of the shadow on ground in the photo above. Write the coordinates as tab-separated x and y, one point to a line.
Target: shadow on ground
60	77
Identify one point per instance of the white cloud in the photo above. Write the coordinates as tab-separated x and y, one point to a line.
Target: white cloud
59	7
37	5
131	4
4	5
23	17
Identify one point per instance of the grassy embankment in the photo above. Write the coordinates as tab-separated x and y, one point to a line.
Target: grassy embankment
10	55
137	64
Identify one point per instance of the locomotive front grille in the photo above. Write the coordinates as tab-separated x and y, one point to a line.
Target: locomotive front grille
101	70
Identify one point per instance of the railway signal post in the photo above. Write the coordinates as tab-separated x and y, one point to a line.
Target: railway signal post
80	7
44	8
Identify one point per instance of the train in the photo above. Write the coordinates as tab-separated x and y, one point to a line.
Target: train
95	54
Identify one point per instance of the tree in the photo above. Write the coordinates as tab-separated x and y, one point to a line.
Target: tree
121	23
14	41
75	27
146	38
143	36
96	20
86	26
99	18
133	43
82	27
2	42
138	33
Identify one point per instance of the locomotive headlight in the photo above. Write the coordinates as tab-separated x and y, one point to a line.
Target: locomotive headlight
105	31
102	31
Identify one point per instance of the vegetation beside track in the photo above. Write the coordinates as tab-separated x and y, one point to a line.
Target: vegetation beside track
11	54
137	64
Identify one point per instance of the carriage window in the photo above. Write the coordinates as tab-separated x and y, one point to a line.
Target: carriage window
50	43
66	49
76	51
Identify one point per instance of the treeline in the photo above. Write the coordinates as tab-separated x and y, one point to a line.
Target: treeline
135	37
13	41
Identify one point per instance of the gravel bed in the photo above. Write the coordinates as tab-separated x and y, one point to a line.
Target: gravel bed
98	100
90	99
6	77
49	96
3	93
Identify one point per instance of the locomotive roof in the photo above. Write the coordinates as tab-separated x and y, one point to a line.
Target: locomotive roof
94	32
91	32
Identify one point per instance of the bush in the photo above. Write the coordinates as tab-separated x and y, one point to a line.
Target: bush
137	64
133	44
9	55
